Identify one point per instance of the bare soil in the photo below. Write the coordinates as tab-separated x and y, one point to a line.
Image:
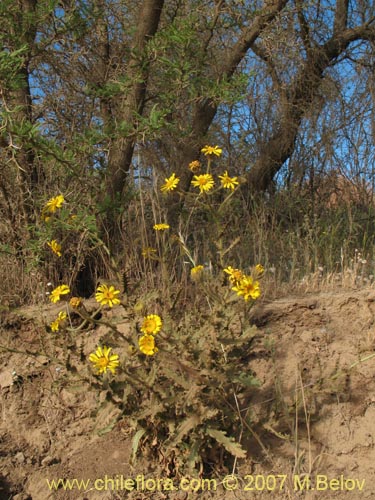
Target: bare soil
314	412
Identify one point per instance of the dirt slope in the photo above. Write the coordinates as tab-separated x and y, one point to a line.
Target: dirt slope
314	413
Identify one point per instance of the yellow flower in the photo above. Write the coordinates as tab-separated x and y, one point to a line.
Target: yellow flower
205	182
61	316
53	204
147	345
60	290
228	182
161	227
211	150
151	324
196	271
259	269
235	275
55	247
148	252
170	184
107	295
103	361
195	166
75	302
56	324
247	288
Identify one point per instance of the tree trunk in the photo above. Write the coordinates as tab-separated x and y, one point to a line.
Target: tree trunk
126	111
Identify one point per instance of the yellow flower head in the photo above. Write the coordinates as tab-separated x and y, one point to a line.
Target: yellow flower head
170	184
235	275
148	252
247	288
55	325
211	150
55	247
103	361
75	302
60	290
147	345
196	271
195	166
228	182
151	324
107	295
161	227
259	269
61	316
53	204
205	182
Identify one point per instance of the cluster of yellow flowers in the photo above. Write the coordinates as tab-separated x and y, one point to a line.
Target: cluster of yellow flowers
245	285
108	296
103	360
151	326
205	182
48	210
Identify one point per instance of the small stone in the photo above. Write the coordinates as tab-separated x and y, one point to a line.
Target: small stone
48	460
20	457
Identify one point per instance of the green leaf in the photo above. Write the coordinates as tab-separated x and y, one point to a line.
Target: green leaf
108	428
184	428
228	442
135	444
247	380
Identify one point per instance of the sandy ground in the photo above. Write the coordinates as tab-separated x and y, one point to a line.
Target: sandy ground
315	408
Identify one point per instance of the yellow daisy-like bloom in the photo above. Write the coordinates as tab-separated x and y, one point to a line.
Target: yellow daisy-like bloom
196	271
54	203
161	227
151	324
148	252
75	302
147	345
55	325
259	269
106	296
103	360
247	288
235	275
55	247
205	182
60	290
211	150
228	182
170	184
195	166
